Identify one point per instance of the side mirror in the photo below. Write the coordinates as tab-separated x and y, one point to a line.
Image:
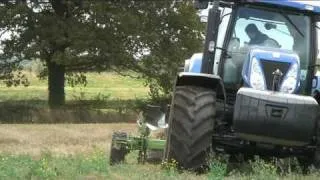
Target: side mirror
201	4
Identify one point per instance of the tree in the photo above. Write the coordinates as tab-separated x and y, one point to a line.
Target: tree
80	36
175	34
39	30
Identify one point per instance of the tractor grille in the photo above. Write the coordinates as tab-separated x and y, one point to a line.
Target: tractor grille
268	67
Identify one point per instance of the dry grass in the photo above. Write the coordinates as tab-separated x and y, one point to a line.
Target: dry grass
58	138
80	140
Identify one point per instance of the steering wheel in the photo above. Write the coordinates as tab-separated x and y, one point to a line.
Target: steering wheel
271	43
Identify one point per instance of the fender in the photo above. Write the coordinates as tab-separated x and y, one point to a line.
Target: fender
209	81
198	79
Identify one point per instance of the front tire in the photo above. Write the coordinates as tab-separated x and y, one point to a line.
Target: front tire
191	124
312	160
316	155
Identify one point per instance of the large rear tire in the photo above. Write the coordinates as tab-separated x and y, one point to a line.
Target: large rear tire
191	124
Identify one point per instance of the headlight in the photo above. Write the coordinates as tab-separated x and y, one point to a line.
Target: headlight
256	76
290	81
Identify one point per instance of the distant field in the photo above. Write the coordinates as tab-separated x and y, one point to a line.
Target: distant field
108	97
104	85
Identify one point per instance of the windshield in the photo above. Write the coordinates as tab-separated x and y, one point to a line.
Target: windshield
255	27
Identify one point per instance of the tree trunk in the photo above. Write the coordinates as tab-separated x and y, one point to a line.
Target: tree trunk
56	72
56	79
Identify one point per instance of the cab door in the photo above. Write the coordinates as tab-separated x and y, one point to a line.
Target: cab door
225	17
316	80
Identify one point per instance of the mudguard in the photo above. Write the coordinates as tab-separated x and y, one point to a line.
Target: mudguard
275	117
199	79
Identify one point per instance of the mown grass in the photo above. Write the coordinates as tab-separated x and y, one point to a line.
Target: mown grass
95	166
80	151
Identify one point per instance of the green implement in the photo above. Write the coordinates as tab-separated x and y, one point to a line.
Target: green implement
122	144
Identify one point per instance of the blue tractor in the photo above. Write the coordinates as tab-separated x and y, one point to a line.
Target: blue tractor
253	89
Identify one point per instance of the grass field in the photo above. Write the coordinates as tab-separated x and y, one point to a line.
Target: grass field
104	85
108	97
81	151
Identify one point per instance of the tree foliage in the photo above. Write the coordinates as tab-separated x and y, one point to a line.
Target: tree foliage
150	37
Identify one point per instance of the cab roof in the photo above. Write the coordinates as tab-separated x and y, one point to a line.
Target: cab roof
305	5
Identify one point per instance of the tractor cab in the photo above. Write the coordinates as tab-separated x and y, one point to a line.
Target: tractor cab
251	40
